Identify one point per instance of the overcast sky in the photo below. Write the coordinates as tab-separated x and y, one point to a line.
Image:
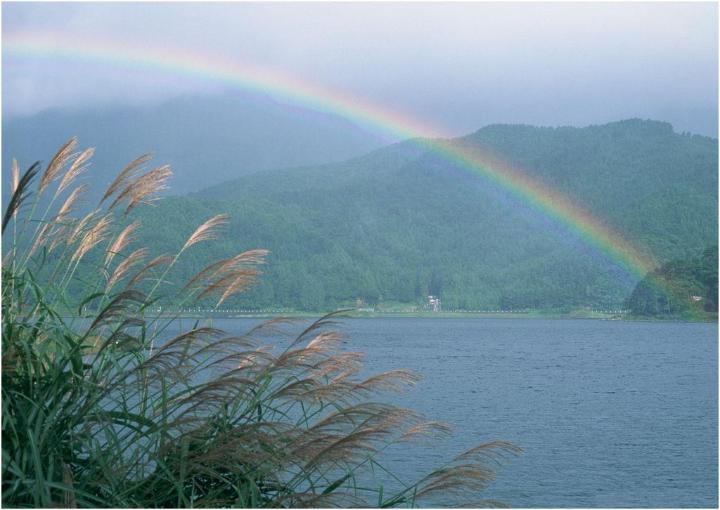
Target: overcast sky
456	66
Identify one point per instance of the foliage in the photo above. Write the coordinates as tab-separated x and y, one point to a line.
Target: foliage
111	410
400	223
685	288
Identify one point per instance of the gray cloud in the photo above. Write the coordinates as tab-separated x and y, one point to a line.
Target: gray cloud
458	66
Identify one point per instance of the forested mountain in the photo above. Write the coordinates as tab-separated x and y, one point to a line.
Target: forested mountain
206	139
684	288
400	223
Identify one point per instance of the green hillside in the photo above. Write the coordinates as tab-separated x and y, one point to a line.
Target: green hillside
684	288
399	223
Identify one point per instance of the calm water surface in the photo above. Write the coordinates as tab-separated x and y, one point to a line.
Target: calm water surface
610	414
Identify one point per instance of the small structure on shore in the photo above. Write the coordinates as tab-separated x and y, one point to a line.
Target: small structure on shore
433	303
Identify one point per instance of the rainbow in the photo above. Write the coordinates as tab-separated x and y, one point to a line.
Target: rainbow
51	45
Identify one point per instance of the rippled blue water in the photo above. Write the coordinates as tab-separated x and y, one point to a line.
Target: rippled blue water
610	414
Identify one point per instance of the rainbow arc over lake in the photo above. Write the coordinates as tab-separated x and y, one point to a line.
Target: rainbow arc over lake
372	116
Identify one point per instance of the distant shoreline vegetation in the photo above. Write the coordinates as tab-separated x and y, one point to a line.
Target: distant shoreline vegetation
623	315
680	289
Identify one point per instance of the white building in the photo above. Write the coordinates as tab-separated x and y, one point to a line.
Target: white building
433	303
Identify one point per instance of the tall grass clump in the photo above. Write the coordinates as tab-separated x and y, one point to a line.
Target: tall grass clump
103	407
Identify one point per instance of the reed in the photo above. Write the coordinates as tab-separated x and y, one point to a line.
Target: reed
107	409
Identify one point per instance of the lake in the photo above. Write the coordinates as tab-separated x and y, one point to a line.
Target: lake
609	413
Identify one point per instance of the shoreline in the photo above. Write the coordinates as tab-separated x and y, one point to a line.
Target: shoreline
351	314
